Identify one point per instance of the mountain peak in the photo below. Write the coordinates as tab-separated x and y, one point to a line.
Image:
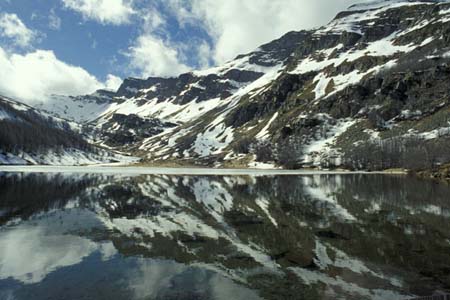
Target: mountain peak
382	3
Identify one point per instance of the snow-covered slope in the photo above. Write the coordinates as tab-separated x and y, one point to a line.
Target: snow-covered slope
369	5
30	136
79	109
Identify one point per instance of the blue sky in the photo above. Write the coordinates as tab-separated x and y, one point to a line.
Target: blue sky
98	47
77	46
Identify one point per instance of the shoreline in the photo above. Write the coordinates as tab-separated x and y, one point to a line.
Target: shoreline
141	170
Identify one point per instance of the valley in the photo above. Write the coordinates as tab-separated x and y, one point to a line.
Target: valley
367	91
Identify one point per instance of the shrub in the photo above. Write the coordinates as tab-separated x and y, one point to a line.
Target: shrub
264	152
290	153
244	145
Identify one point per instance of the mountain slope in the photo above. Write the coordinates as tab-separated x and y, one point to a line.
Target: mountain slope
370	84
29	136
79	109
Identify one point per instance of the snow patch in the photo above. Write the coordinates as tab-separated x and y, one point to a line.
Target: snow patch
317	150
264	133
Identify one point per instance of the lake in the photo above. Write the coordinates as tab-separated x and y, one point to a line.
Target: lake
101	235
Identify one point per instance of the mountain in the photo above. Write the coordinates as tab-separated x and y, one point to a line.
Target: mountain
80	109
367	91
30	136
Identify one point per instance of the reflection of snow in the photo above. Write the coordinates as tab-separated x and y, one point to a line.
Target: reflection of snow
322	192
164	224
195	206
342	260
335	285
263	203
214	197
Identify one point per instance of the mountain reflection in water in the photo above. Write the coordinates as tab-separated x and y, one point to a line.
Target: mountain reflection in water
222	237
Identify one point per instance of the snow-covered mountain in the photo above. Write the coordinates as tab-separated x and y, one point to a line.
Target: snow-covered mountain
80	109
375	77
30	136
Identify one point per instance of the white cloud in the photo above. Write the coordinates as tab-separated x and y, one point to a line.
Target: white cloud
204	53
151	56
240	26
12	27
152	20
234	26
38	74
54	22
114	12
113	82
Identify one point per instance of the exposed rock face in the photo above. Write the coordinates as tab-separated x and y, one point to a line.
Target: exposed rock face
377	71
125	130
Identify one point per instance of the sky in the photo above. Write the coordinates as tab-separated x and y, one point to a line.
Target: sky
74	47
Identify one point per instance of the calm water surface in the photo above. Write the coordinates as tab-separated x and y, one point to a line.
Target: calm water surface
142	237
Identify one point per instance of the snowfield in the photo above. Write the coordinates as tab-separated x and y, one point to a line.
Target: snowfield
70	157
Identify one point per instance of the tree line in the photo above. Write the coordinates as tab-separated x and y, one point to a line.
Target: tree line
30	132
413	153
